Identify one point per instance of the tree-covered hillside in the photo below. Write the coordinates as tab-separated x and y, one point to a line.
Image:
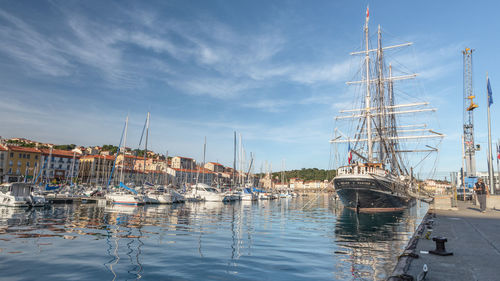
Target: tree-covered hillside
306	174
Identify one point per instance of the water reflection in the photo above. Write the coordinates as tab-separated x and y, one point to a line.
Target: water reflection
369	242
354	227
287	239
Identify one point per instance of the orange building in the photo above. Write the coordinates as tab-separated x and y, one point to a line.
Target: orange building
22	163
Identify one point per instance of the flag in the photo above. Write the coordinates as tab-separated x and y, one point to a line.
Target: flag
490	94
349	153
367	14
498	151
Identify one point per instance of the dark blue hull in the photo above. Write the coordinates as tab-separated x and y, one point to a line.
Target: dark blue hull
371	194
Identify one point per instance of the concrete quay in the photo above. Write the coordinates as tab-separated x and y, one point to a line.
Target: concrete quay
473	238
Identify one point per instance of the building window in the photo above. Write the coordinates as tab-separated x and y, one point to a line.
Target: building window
18	163
24	156
17	172
20	155
52	166
10	163
10	171
29	155
60	166
27	164
12	155
36	157
36	164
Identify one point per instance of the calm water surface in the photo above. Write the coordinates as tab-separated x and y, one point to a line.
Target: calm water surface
305	238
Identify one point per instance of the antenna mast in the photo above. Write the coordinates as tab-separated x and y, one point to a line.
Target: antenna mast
469	106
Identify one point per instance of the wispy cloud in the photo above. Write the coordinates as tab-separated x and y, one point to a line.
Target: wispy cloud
22	42
209	57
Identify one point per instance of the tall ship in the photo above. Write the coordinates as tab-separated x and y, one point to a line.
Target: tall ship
379	174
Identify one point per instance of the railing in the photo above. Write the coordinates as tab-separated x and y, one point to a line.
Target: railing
358	170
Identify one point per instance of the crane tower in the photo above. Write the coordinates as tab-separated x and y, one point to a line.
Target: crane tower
469	106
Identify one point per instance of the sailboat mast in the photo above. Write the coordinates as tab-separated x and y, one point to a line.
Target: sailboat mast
204	159
146	148
234	160
368	97
124	147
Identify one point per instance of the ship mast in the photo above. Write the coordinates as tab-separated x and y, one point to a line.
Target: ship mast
381	106
378	126
367	98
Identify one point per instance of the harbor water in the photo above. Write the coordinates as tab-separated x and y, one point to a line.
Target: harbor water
304	238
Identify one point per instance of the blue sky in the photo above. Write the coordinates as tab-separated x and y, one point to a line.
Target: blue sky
274	71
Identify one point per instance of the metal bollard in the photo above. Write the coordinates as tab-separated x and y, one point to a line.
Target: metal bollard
440	248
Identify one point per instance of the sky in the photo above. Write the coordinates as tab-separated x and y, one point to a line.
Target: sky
273	71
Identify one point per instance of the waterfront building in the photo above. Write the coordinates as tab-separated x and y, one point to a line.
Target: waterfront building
79	150
3	161
436	187
59	165
95	169
92	150
214	167
151	164
190	176
128	162
179	162
266	182
281	186
141	164
313	184
296	183
22	163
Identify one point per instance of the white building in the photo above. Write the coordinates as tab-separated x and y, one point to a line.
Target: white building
59	164
190	176
486	178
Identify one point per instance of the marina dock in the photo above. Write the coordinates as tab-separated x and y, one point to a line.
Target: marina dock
76	199
473	238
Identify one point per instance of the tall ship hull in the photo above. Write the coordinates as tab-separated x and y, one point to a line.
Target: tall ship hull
371	193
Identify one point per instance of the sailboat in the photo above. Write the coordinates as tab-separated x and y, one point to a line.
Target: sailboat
377	177
126	195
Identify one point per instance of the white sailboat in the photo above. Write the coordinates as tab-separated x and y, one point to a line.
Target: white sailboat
125	195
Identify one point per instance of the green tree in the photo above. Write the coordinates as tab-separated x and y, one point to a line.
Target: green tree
109	147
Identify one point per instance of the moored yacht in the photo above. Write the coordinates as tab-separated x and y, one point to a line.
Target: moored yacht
124	198
248	195
207	193
16	194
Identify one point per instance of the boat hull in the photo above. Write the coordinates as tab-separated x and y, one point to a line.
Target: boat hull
371	194
124	199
